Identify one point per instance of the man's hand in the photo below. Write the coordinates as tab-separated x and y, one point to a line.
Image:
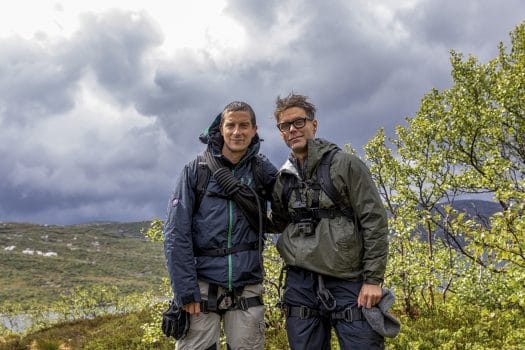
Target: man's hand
369	296
192	309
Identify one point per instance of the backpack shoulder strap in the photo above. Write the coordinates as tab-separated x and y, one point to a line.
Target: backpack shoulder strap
204	174
203	177
325	180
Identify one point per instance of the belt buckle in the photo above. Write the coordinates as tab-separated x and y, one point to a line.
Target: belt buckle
226	302
348	316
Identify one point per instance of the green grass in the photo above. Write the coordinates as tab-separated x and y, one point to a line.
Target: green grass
113	254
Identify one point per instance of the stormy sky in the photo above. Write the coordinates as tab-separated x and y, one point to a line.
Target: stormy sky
101	106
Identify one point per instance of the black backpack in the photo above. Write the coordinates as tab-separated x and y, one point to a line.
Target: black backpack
204	174
325	182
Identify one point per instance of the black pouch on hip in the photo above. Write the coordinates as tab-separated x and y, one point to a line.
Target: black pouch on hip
175	322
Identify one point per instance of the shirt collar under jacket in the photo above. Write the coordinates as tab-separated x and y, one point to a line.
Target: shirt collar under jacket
316	149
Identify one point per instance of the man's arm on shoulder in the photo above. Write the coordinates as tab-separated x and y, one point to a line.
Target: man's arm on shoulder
279	213
269	176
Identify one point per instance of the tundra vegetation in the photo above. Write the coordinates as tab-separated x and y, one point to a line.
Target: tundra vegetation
458	275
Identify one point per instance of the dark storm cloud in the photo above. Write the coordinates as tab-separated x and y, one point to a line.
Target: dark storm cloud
365	71
33	82
471	26
351	72
365	65
60	165
114	47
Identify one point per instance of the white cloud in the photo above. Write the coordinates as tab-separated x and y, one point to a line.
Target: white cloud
185	24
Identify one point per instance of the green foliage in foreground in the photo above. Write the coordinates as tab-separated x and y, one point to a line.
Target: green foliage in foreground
80	303
451	325
104	332
457	325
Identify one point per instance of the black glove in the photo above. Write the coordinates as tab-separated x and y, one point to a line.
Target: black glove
175	322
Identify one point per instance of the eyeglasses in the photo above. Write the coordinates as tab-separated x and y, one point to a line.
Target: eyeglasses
297	123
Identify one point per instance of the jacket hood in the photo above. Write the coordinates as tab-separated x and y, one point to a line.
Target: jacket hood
212	137
316	149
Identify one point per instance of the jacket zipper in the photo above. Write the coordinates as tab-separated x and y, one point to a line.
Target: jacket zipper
231	203
230	230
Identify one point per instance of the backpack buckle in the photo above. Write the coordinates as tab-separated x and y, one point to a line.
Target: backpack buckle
242	304
304	312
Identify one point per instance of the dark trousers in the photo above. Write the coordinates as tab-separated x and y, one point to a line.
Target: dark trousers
314	332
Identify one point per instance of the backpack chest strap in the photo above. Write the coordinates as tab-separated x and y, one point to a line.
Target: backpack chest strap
227	251
316	214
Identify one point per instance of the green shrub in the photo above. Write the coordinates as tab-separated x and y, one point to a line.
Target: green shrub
458	325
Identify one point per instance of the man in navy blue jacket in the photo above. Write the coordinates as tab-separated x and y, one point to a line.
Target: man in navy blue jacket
213	253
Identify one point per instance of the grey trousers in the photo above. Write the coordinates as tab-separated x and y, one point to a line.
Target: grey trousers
243	329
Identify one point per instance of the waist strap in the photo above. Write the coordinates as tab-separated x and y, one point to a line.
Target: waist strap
349	314
227	251
304	312
241	303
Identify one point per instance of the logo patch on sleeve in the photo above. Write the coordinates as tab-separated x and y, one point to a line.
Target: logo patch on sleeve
175	202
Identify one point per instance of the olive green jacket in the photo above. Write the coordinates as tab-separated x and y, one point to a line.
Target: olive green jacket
339	247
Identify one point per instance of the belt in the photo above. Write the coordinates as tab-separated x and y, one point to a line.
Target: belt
241	303
349	314
304	312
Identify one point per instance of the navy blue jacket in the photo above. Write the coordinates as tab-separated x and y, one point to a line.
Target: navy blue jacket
217	223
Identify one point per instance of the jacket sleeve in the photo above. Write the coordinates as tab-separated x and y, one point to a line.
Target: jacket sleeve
178	242
270	175
279	213
371	214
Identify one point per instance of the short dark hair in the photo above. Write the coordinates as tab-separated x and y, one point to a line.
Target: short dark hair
239	106
294	100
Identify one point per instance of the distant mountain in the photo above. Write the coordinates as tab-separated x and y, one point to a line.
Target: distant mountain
475	208
478	210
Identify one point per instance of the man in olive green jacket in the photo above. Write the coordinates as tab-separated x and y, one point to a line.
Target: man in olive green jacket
335	261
